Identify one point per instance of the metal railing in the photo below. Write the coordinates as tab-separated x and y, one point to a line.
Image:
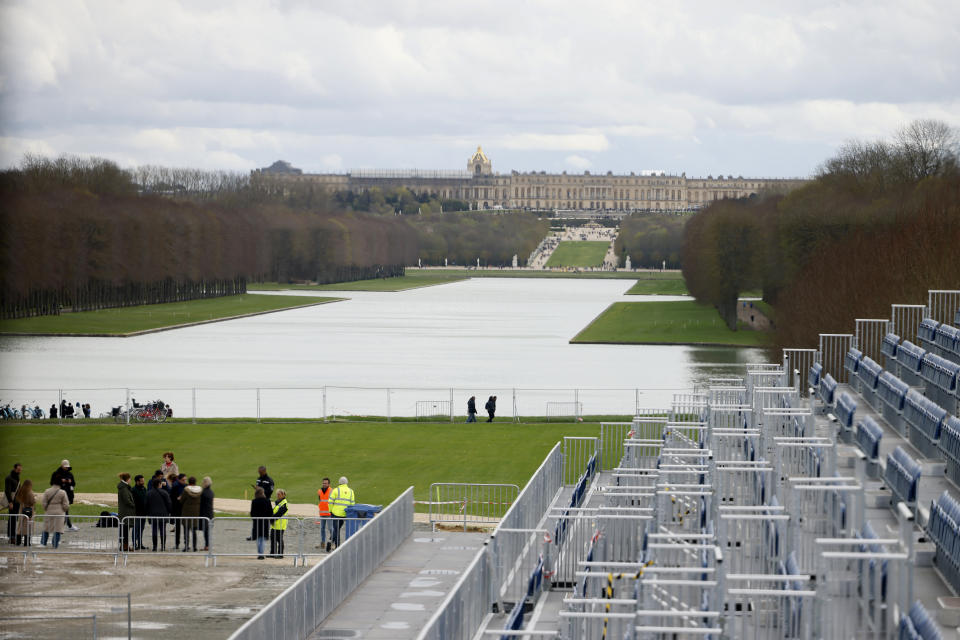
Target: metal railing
299	610
465	504
60	626
943	304
833	347
796	365
342	403
870	334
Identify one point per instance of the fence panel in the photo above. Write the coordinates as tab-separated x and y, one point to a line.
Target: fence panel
299	610
94	535
905	319
85	616
465	504
943	304
796	364
870	334
833	348
291	404
577	452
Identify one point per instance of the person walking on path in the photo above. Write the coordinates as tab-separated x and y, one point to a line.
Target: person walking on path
26	500
11	485
206	511
126	507
472	409
323	504
262	514
340	498
491	407
140	499
190	512
168	466
63	478
55	507
158	508
279	524
264	482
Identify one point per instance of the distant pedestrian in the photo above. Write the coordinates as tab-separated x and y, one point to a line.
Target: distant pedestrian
140	502
55	506
340	498
279	524
168	466
63	408
126	507
86	410
261	513
53	412
176	484
158	508
190	512
63	478
206	511
472	409
491	407
26	500
264	482
11	485
323	504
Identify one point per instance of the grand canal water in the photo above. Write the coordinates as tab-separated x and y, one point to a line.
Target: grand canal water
376	353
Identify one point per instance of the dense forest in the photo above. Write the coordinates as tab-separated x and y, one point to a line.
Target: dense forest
67	222
879	224
650	239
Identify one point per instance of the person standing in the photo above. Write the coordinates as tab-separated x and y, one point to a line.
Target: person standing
264	482
279	524
126	507
491	407
158	508
262	513
63	478
140	500
340	498
206	511
11	485
26	500
472	409
323	504
53	412
168	466
175	488
190	497
55	507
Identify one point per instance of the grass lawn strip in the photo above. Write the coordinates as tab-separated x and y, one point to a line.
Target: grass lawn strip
659	286
685	322
126	321
380	459
578	254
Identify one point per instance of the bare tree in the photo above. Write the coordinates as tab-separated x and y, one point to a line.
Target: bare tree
928	147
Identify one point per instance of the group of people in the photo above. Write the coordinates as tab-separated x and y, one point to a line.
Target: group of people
67	410
170	498
55	502
490	408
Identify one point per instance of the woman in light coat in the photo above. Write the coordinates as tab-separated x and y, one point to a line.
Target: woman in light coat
55	505
27	500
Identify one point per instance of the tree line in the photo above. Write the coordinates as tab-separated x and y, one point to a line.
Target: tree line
68	222
650	239
879	224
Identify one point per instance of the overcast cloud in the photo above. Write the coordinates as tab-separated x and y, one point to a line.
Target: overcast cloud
762	89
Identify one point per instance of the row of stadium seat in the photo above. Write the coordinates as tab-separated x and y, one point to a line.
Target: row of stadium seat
925	418
918	625
944	336
845	410
944	529
902	476
868	437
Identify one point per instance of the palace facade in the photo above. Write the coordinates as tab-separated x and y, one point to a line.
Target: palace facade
484	189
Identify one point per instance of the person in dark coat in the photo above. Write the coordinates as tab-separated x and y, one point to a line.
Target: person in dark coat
158	508
491	407
472	409
53	412
206	511
126	507
262	512
63	478
264	482
175	485
140	499
10	486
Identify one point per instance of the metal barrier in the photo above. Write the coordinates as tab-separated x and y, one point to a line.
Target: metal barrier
460	503
299	610
577	453
796	365
870	333
943	304
188	532
107	621
94	535
906	318
833	348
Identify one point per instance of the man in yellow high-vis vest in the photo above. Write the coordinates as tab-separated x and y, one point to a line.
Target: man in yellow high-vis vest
340	498
279	525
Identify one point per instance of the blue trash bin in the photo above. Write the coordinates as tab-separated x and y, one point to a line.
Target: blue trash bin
357	516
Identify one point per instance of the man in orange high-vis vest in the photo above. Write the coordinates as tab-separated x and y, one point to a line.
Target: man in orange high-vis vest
323	503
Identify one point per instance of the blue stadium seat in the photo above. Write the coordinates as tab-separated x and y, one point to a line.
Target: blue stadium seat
956	318
827	390
948	338
851	361
868	374
918	625
944	529
902	476
846	408
950	447
892	390
927	331
869	434
909	357
889	346
867	533
814	375
925	418
940	372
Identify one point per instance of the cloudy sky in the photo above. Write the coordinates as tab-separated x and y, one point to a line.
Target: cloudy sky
752	88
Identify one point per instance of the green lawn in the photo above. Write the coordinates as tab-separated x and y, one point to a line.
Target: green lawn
130	319
645	286
380	459
665	323
578	254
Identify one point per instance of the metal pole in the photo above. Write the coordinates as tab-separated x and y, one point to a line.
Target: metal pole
636	402
258	405
388	404
129	619
516	418
325	404
194	405
60	405
128	406
576	403
451	404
